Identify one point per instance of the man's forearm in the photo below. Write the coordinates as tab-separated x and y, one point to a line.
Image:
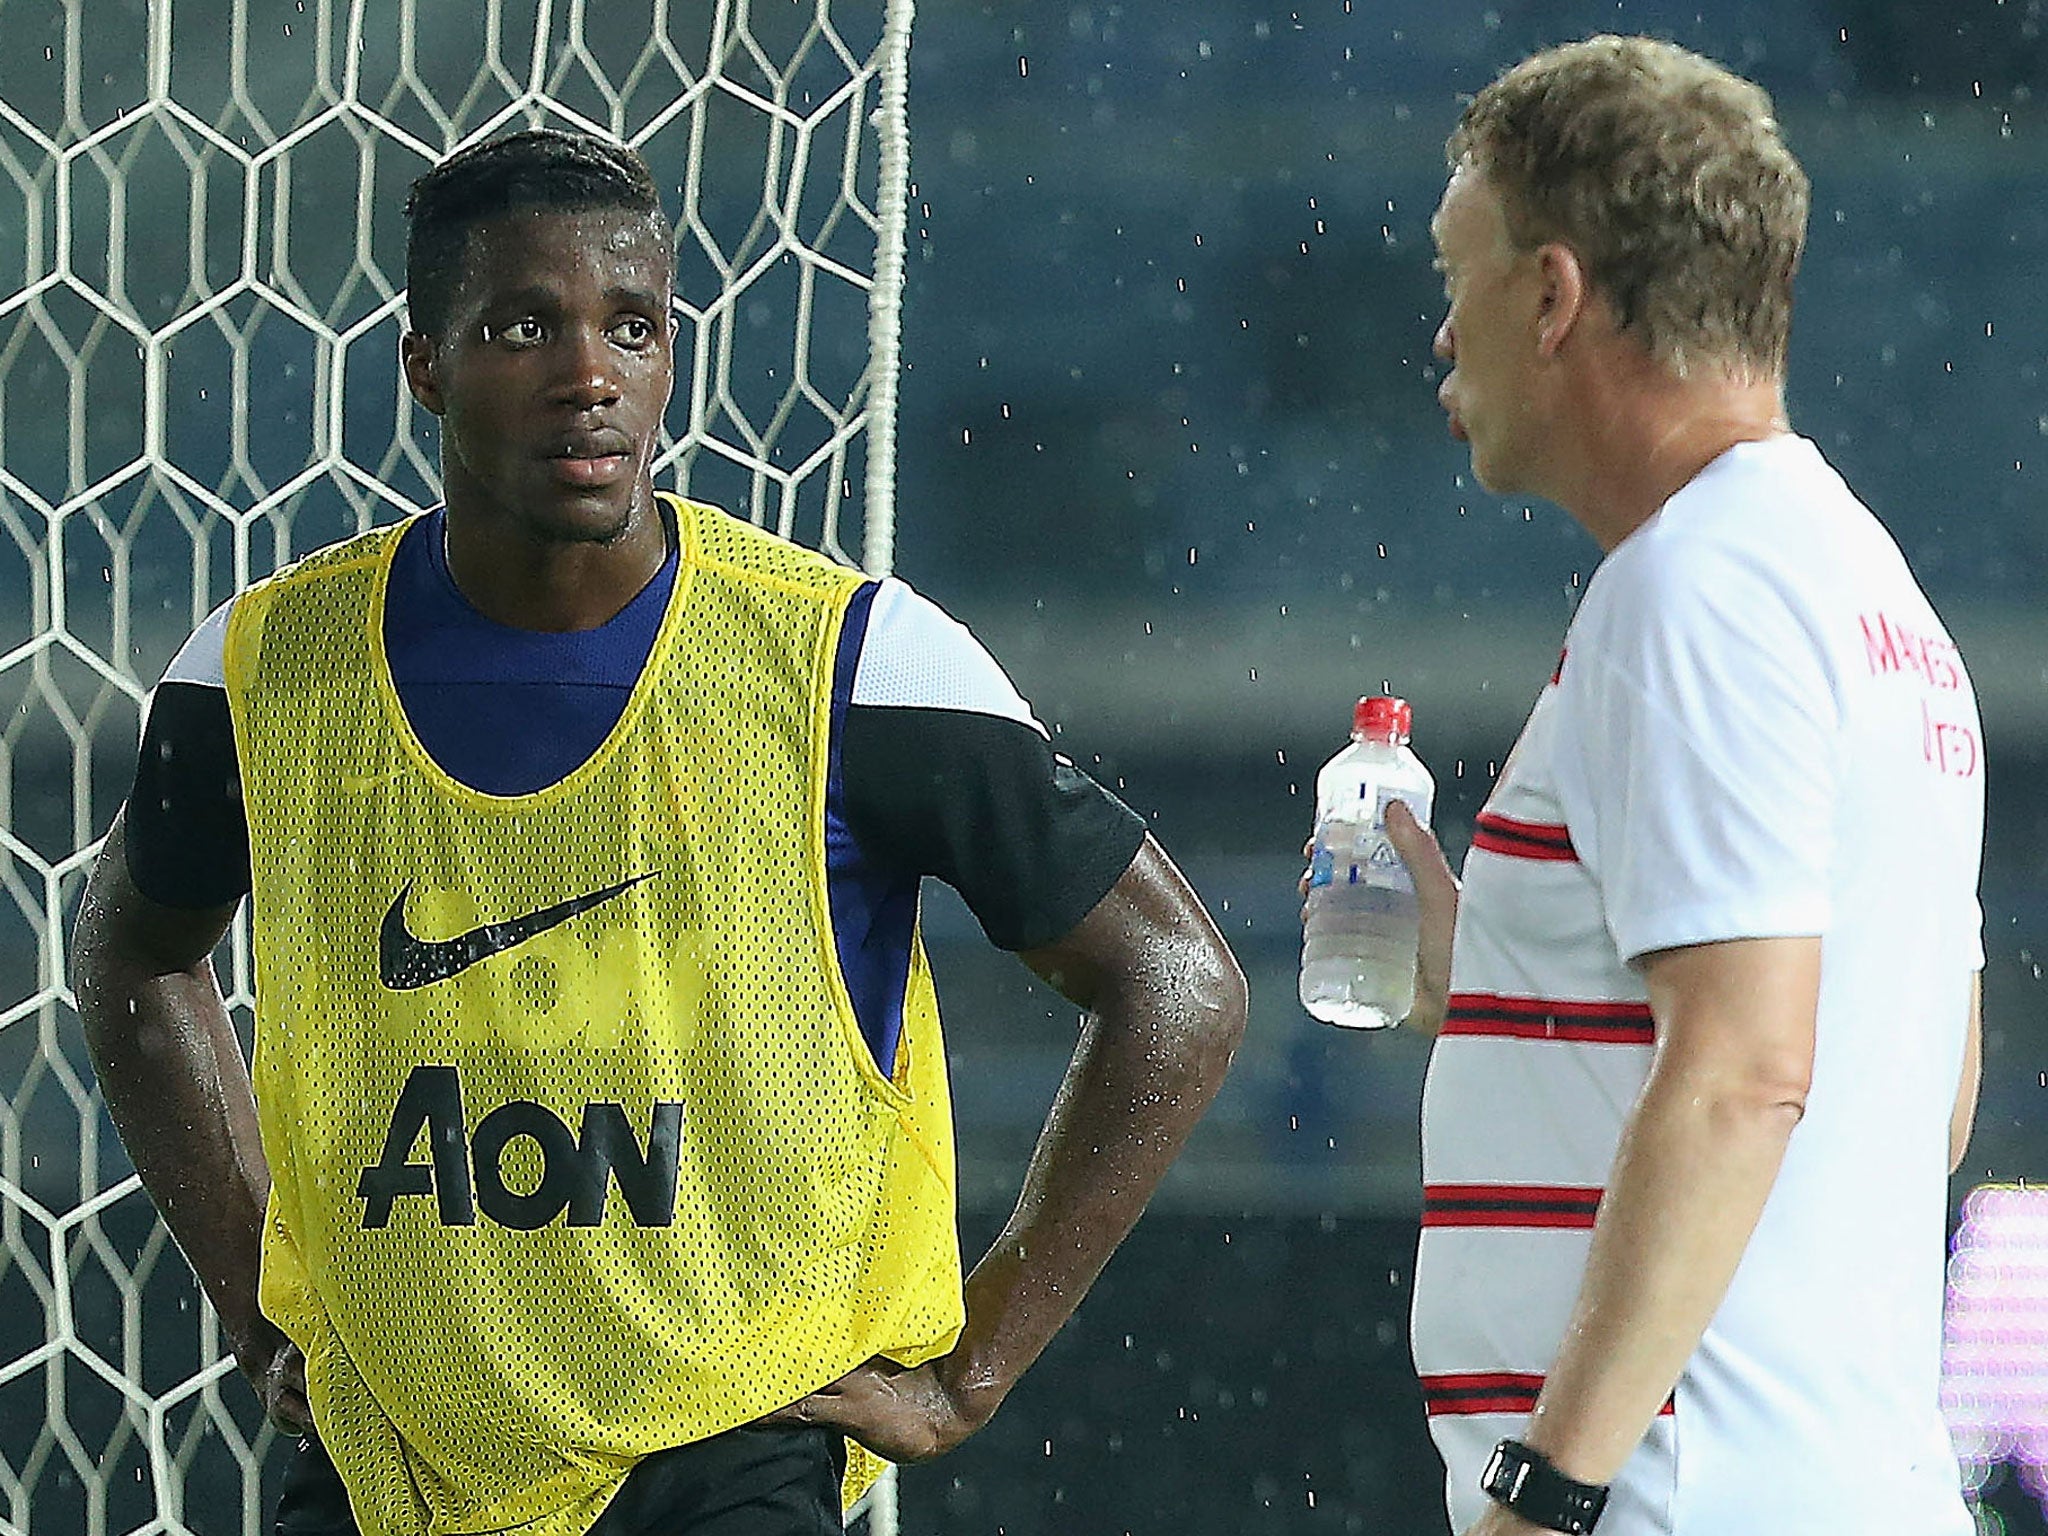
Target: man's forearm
178	1091
172	1074
1695	1168
1150	1059
1695	1165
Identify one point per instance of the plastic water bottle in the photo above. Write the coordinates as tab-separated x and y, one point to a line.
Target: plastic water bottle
1358	944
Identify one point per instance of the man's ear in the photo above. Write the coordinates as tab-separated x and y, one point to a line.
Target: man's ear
416	360
1566	293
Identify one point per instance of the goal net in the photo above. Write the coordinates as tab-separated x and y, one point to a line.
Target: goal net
201	253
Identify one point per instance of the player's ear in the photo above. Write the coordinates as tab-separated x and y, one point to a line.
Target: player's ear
416	358
1566	292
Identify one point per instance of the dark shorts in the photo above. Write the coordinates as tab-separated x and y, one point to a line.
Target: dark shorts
745	1482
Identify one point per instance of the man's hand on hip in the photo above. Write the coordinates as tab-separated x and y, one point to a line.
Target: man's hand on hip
900	1413
277	1371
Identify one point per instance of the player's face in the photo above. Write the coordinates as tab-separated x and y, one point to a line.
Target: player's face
1488	335
553	371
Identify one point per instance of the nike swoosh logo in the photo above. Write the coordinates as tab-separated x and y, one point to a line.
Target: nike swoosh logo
406	962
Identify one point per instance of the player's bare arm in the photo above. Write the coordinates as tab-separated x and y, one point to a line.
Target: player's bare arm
1164	1007
1964	1116
1698	1157
178	1091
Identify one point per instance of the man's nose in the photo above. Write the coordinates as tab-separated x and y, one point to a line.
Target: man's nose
1446	344
587	375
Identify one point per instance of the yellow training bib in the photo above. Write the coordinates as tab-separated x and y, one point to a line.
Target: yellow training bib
577	1149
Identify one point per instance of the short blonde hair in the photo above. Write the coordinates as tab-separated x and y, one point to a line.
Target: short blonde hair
1668	177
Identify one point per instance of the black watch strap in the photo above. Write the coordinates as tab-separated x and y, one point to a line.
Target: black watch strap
1529	1483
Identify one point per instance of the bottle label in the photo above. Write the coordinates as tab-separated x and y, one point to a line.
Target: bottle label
1360	852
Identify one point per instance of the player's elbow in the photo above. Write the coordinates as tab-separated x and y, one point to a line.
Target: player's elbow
1784	1097
1769	1089
1223	997
1198	1005
1759	1092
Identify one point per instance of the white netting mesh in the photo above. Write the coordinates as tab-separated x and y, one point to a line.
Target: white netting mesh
201	247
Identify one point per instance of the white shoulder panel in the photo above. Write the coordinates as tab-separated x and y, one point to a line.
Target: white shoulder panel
918	656
202	658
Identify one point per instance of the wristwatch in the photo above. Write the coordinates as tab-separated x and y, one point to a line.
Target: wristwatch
1529	1483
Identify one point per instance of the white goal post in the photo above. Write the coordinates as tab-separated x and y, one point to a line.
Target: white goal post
201	268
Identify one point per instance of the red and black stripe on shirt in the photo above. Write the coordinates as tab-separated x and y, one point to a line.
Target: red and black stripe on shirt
1504	835
1509	1205
1471	1392
1541	1018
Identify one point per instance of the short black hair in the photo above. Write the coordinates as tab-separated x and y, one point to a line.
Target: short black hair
539	168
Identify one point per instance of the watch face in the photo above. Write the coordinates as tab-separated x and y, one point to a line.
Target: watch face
1526	1483
1499	1477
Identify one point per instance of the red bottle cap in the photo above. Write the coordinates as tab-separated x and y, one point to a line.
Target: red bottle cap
1382	718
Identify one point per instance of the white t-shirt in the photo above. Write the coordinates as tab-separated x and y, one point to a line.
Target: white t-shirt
1759	729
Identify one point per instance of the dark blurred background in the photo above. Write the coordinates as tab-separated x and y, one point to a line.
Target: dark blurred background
1168	443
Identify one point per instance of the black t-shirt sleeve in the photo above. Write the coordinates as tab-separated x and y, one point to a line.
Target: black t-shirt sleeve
983	803
187	839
